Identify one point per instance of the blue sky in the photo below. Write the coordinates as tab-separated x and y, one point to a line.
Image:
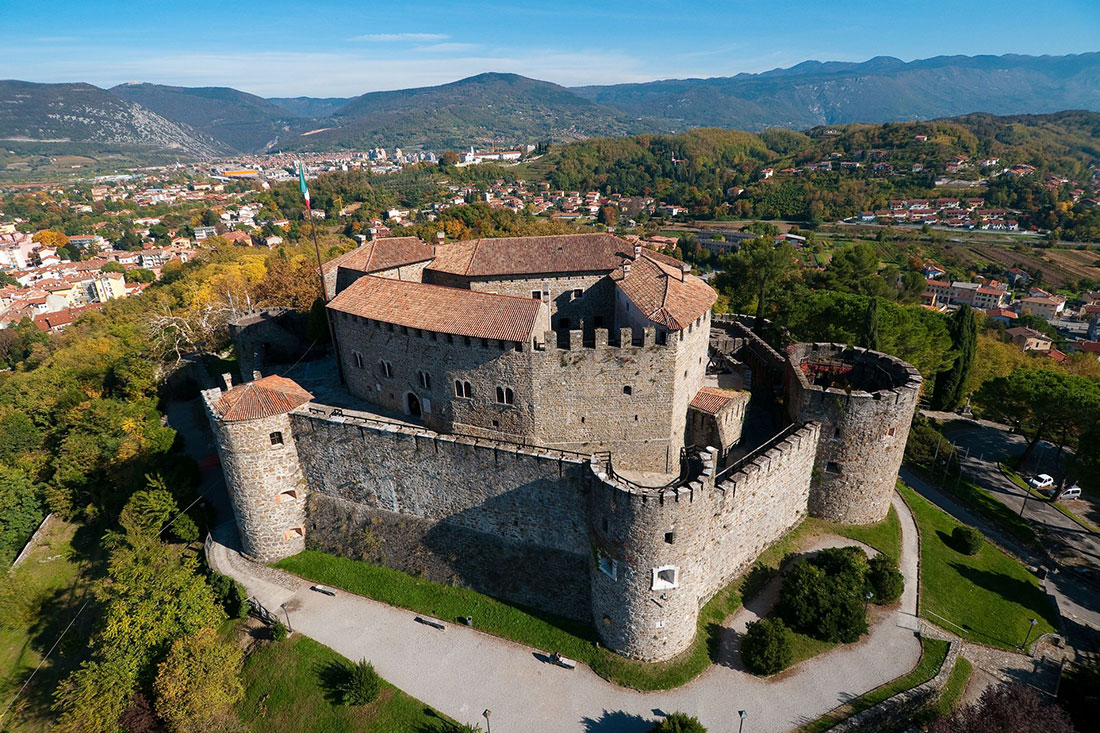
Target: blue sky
324	48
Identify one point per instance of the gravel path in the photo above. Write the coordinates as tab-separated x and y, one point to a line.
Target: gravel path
461	672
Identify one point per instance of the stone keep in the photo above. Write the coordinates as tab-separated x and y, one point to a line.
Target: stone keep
255	441
864	401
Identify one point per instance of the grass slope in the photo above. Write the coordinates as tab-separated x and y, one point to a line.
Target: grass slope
988	598
288	687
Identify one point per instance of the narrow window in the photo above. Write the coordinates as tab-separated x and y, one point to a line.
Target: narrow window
424	379
670	537
358	359
606	524
506	396
387	368
496	423
627	389
836	433
458	388
607	564
276	438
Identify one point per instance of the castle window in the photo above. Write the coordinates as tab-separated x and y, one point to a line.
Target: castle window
606	525
276	438
832	467
291	495
433	335
665	577
424	379
484	343
836	433
465	340
627	389
577	293
505	396
496	423
450	338
358	359
293	533
670	537
607	564
518	346
387	368
891	431
463	389
536	294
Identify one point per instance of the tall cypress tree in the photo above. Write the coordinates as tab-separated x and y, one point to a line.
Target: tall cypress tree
948	392
871	338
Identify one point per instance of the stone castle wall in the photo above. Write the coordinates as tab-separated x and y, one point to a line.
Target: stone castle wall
706	536
863	428
265	483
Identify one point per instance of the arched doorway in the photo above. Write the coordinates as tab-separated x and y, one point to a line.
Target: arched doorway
412	404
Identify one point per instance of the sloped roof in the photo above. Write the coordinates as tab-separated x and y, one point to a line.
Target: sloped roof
711	400
383	254
532	255
663	292
261	398
441	309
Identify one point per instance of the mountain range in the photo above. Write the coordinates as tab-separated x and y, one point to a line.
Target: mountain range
506	109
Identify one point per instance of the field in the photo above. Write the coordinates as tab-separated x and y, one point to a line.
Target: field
1059	265
988	598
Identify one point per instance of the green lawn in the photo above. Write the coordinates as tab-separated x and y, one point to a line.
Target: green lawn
570	638
288	688
975	497
953	690
933	653
37	601
988	598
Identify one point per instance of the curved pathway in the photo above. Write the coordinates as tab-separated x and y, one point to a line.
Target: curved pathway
461	671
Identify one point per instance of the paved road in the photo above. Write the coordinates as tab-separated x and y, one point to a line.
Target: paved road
461	671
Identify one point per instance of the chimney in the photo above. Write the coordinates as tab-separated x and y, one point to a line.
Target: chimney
227	381
637	251
685	270
626	268
439	237
256	375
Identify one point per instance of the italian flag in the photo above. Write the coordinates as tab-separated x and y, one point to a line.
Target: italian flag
302	183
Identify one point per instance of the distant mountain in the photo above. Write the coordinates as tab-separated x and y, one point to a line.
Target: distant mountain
61	114
242	121
309	106
882	89
483	109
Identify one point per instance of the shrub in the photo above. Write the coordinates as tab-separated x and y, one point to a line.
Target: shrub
278	631
885	579
822	596
967	540
767	647
679	723
230	595
361	685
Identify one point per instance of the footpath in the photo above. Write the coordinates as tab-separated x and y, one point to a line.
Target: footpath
462	672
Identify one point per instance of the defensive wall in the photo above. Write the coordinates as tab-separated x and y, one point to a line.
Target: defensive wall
864	401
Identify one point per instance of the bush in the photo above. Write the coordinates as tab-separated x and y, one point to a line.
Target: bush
885	579
230	594
822	596
679	723
278	631
767	647
362	684
921	446
967	540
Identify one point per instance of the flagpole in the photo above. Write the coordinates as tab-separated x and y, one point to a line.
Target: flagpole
320	271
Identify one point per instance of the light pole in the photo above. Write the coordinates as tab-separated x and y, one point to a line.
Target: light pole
283	606
1027	493
487	713
1034	621
867	596
742	715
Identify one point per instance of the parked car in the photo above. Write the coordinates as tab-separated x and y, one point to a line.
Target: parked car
1073	492
1041	481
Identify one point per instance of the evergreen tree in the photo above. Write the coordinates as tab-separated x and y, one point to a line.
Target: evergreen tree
870	338
950	384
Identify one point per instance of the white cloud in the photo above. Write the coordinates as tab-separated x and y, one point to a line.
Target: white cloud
396	37
446	47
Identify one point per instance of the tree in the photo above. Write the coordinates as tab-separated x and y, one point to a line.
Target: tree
608	215
141	275
47	238
92	698
20	512
1017	707
112	267
361	684
822	596
870	338
449	157
768	647
885	579
199	682
951	384
679	723
148	510
967	540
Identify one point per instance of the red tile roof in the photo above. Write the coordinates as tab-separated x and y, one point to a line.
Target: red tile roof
262	398
383	254
711	399
436	308
663	292
532	255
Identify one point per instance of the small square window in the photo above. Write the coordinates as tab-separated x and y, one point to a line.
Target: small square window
607	564
290	495
276	438
832	467
627	389
670	537
536	294
293	533
577	293
891	431
836	433
666	577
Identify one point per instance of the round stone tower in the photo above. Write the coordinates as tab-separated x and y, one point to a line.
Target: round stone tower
254	439
864	401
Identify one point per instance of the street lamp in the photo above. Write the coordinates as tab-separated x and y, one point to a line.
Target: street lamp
486	714
742	715
1034	621
867	596
283	606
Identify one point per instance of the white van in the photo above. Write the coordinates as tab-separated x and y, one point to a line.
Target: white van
1073	492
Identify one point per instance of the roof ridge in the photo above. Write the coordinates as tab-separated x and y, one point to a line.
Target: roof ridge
473	255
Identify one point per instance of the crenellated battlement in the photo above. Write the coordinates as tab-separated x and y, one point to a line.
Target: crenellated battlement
602	338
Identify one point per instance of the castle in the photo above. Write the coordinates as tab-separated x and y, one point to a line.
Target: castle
556	421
